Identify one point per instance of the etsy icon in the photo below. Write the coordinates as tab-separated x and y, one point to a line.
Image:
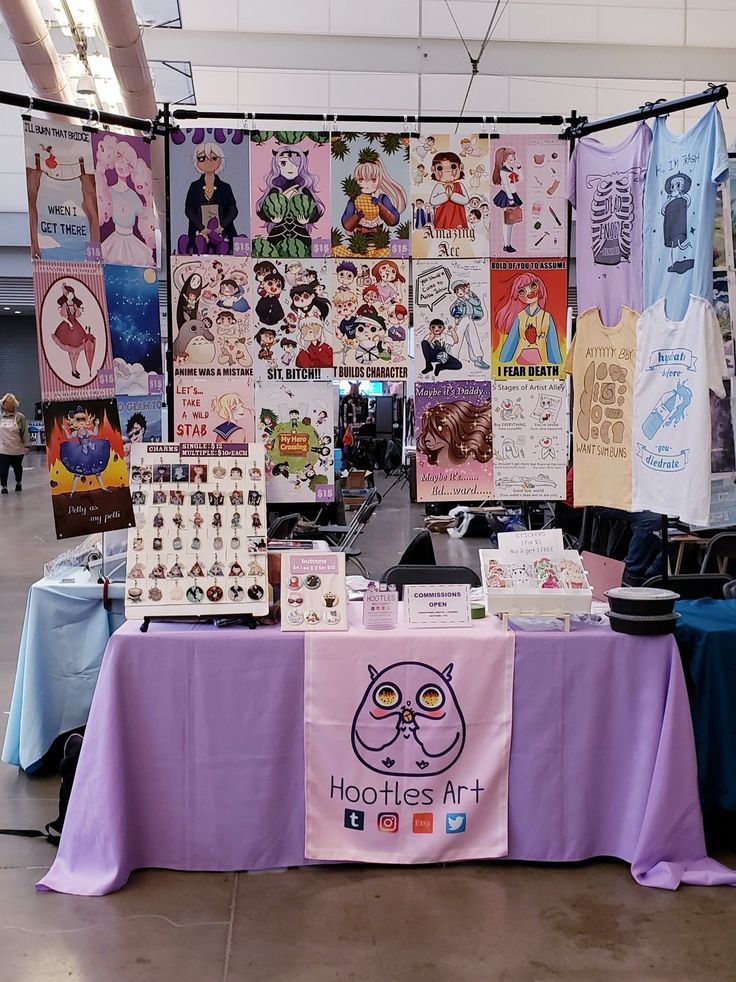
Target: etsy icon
422	822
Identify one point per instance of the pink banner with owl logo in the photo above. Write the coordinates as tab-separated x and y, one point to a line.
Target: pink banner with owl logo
407	746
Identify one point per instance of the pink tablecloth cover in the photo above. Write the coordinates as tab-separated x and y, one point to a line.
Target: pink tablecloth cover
193	756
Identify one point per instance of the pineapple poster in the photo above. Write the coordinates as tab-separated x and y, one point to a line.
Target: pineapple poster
371	216
289	194
450	193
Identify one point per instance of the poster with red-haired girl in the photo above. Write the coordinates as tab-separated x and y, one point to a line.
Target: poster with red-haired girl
529	318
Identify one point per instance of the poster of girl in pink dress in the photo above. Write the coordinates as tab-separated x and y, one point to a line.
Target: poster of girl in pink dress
124	184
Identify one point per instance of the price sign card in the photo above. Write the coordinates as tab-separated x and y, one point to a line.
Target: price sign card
523	546
437	606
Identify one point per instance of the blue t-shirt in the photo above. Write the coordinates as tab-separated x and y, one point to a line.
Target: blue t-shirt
679	212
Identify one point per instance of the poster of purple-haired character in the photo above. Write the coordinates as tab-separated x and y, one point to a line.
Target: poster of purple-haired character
209	189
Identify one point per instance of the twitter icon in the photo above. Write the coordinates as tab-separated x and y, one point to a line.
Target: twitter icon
455	822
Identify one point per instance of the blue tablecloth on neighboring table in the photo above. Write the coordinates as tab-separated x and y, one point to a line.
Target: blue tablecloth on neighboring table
706	636
65	630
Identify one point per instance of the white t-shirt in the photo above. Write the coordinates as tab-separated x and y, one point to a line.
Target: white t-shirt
677	363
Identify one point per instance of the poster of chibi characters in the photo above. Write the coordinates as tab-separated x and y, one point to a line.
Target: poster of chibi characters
370	315
296	425
212	349
62	202
289	194
529	317
370	195
454	440
451	196
87	471
210	192
530	439
125	207
293	323
528	203
135	331
451	319
74	351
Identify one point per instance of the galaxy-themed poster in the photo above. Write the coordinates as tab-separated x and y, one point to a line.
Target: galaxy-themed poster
88	476
290	194
406	752
135	333
62	199
209	192
140	421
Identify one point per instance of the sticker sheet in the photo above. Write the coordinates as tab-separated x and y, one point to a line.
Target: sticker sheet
290	194
198	547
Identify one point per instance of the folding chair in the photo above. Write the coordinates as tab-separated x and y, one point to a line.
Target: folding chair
721	548
402	576
346	546
693	586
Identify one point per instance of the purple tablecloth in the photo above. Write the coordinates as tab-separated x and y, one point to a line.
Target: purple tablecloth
193	757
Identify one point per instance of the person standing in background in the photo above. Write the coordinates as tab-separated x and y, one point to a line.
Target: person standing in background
13	442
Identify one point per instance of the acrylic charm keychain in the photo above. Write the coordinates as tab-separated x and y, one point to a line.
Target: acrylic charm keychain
195	594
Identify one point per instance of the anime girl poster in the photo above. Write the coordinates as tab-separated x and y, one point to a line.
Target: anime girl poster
528	213
212	349
454	440
370	195
450	194
87	472
451	319
74	351
135	332
371	321
296	425
293	333
62	201
125	207
290	194
210	192
529	318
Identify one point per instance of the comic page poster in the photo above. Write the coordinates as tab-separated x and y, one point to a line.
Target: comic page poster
293	333
140	421
212	349
370	316
210	192
62	202
454	442
289	194
126	212
370	195
87	472
529	317
135	332
74	351
528	201
530	439
296	425
451	319
450	195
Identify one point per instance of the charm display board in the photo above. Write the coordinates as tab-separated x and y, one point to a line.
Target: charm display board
199	545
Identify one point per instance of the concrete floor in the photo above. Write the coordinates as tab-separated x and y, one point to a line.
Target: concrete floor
470	921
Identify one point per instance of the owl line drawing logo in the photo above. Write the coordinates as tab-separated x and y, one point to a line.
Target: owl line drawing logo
409	722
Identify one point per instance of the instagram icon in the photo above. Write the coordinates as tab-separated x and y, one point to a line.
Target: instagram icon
388	822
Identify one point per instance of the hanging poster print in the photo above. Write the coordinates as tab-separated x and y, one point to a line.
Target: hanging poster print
453	437
529	321
135	333
450	191
210	192
74	353
124	185
371	321
296	425
290	194
140	421
723	293
722	450
87	472
451	319
293	326
528	187
62	203
530	439
370	199
212	349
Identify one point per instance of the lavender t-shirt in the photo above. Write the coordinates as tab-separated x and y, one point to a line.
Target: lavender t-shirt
605	185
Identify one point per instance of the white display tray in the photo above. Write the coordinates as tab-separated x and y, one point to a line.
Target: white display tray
518	599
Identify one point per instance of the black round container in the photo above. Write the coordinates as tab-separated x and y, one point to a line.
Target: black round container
642	625
642	601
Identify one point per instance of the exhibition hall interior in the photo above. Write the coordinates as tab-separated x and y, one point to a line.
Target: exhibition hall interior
367	490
